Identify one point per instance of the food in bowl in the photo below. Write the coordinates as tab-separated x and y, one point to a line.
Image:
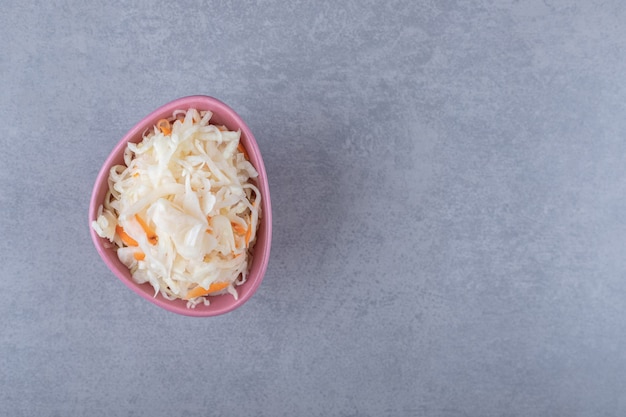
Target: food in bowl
183	210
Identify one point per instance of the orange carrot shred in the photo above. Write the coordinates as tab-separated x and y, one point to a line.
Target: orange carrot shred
129	241
241	149
164	126
200	291
152	237
140	256
239	229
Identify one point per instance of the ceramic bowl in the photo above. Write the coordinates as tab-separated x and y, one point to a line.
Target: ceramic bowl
220	304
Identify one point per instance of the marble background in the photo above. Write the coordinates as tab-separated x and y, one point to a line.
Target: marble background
448	195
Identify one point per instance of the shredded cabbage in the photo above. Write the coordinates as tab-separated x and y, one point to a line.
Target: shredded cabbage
183	211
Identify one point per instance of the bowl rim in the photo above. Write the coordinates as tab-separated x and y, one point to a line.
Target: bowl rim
262	257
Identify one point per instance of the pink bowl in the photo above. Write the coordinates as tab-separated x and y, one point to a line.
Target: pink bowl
222	114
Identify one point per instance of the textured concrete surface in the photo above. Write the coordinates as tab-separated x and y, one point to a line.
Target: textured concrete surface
449	195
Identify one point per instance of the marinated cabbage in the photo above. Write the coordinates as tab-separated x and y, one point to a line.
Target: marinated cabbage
183	210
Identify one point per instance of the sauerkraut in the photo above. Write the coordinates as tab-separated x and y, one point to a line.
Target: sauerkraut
183	210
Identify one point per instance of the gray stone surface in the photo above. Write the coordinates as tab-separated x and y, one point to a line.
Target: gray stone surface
449	196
